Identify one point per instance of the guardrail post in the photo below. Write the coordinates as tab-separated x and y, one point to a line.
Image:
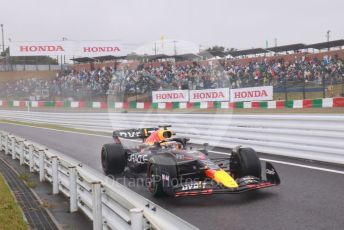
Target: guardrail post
97	206
55	178
6	144
136	219
21	152
13	146
41	165
31	159
1	141
72	189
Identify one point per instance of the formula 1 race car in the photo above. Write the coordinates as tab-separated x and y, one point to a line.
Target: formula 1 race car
173	167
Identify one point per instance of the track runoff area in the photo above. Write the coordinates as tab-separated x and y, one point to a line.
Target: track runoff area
309	197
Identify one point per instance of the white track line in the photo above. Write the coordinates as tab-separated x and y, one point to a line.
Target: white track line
223	153
304	166
291	164
59	130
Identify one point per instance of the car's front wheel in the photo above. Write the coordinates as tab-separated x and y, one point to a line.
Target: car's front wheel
247	163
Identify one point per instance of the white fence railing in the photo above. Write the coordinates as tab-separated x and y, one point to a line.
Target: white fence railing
314	137
9	67
107	203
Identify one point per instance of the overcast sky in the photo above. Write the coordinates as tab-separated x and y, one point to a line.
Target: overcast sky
239	24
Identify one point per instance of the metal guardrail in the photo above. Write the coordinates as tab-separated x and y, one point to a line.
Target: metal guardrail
314	137
107	203
9	67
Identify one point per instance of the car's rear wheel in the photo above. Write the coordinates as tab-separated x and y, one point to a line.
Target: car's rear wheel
113	159
155	185
248	163
161	176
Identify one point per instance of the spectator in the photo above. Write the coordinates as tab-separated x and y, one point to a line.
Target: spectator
196	75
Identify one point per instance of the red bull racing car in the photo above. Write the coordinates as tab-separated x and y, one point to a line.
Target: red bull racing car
173	167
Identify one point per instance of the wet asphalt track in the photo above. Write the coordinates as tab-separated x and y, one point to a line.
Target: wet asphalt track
306	199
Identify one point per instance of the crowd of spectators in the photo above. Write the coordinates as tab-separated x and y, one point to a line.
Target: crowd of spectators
24	88
194	76
73	83
224	74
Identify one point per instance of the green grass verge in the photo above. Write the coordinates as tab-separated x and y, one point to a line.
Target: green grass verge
11	217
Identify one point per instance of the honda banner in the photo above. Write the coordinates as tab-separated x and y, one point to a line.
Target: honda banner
99	48
72	48
252	94
221	94
170	96
53	48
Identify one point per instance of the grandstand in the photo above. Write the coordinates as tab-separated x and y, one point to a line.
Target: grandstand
290	69
286	52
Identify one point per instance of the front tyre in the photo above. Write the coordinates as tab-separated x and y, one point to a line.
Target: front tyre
113	159
248	163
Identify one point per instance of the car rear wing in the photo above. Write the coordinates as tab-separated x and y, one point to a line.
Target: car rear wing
142	133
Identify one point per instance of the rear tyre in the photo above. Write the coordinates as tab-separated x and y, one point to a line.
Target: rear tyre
162	176
249	164
113	159
155	185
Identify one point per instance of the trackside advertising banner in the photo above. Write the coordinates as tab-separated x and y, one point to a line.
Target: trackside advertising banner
221	94
53	48
170	96
99	48
72	48
252	94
